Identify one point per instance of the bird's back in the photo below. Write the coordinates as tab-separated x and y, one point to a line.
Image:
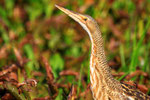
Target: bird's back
132	93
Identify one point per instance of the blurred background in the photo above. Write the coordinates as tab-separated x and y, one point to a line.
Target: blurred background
36	39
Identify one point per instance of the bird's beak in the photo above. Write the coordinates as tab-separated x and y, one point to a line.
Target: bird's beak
76	16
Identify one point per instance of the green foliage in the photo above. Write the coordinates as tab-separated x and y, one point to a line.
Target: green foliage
3	13
136	48
122	57
80	81
57	63
35	10
30	54
4	36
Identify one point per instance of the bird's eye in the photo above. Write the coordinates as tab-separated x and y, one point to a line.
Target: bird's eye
85	19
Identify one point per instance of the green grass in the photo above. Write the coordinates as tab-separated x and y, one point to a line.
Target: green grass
137	46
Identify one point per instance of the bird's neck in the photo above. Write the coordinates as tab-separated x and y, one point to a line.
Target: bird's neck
98	53
98	62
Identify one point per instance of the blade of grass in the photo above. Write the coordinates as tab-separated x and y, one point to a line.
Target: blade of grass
123	76
79	82
30	54
122	58
4	35
135	55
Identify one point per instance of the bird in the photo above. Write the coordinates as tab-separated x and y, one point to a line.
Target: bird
103	85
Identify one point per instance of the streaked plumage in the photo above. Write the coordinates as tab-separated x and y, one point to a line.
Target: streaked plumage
103	85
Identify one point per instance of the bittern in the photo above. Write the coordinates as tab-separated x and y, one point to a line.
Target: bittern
103	84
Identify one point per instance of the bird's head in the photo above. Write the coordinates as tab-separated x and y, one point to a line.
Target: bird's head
87	22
